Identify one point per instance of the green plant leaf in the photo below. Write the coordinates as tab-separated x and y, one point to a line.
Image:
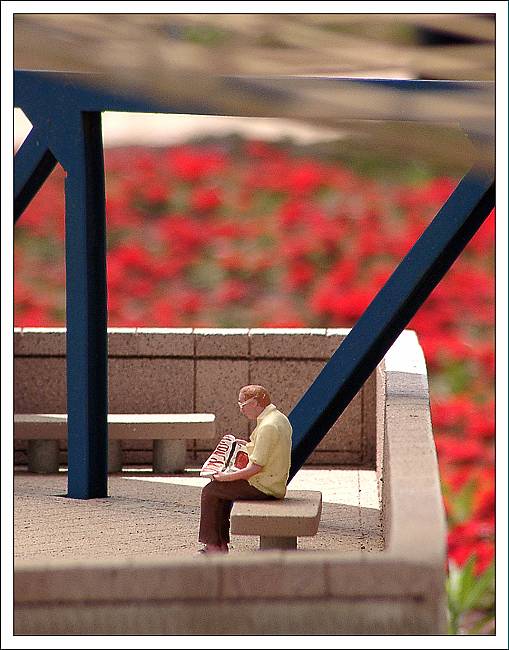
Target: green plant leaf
474	596
466	592
466	583
459	582
453	584
462	502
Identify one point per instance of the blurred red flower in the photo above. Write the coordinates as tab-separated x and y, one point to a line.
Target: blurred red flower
205	199
299	274
231	291
459	450
304	178
155	192
193	164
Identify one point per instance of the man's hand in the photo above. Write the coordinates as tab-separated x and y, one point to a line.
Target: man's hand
238	475
221	476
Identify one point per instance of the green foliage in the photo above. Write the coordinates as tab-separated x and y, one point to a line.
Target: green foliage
458	375
467	591
461	502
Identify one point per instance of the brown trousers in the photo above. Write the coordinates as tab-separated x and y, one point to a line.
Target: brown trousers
216	503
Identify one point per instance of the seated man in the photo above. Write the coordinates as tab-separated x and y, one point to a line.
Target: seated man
264	477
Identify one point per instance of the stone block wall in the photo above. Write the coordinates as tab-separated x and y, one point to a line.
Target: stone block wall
276	593
198	371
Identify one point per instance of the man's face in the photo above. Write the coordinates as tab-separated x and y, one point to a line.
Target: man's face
249	406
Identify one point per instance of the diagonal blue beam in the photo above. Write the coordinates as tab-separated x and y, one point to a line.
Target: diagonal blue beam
389	312
33	163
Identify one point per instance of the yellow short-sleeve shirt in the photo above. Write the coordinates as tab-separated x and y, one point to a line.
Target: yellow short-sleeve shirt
270	445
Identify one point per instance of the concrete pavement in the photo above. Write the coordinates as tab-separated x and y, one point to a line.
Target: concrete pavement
147	515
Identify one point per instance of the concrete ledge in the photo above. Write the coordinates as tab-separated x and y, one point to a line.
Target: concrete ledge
413	510
294	343
297	575
413	514
158	342
344	594
228	342
122	341
36	341
114	581
314	617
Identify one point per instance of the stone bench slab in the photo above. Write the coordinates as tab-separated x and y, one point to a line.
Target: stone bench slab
130	426
298	514
169	431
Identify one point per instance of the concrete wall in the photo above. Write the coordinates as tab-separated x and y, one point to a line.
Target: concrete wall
197	370
267	593
413	513
408	456
399	591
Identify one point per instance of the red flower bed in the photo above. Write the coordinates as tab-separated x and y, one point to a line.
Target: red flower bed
207	236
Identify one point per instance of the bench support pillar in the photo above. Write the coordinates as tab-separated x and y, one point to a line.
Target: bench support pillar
169	456
282	543
115	463
43	456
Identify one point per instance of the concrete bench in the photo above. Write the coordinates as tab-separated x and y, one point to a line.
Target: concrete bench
169	431
279	522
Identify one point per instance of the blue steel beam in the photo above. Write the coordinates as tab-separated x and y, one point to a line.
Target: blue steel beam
389	312
86	92
33	163
75	139
89	93
87	358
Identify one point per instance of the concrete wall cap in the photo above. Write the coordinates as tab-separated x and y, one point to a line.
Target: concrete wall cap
338	331
221	342
260	331
122	330
415	518
44	330
218	331
164	330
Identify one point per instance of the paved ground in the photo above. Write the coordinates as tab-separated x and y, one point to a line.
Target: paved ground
153	515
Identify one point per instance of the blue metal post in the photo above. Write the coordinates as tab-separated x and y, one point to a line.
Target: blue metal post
389	312
87	397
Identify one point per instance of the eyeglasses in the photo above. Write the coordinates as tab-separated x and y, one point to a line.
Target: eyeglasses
242	404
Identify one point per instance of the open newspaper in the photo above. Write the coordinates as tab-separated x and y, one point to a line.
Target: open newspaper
229	456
